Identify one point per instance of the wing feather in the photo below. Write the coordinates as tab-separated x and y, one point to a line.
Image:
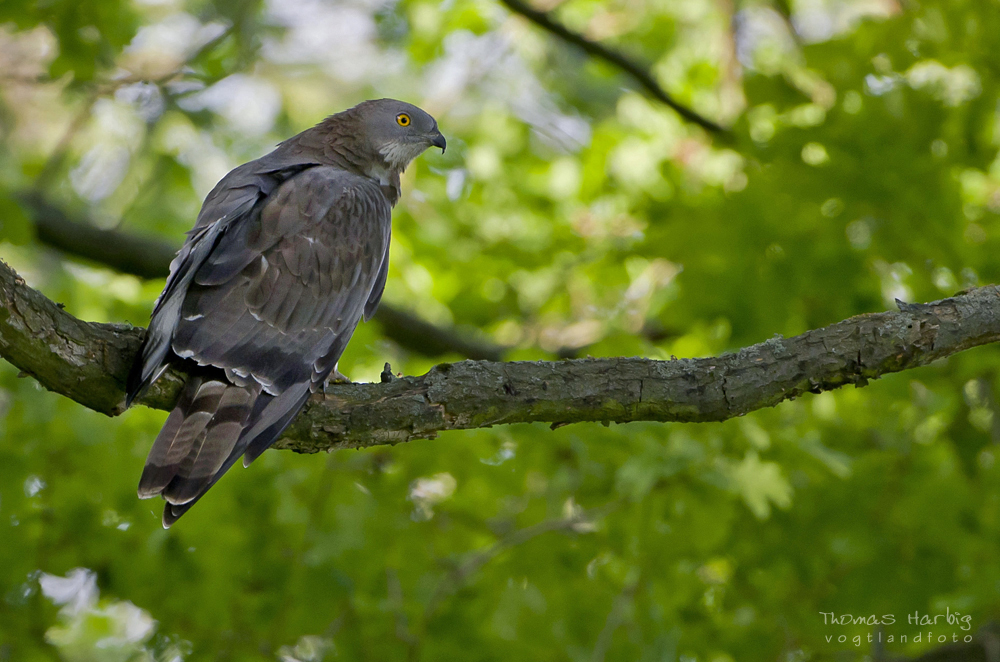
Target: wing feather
375	297
266	304
230	204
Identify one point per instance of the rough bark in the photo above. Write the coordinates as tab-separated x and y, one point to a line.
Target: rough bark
84	361
89	362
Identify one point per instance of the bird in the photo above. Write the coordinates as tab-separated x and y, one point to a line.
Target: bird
289	252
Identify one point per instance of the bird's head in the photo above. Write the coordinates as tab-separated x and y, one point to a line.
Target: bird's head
398	131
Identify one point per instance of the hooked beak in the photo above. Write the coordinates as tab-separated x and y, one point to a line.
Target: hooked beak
438	141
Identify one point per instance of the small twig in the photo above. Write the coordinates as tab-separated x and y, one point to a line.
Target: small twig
395	600
99	89
878	647
783	8
61	150
614	620
580	521
988	398
316	509
113	84
634	69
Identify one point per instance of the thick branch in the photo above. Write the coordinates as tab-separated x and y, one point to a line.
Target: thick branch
150	258
89	363
84	361
634	69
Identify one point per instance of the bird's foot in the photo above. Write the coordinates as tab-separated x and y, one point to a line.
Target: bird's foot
336	377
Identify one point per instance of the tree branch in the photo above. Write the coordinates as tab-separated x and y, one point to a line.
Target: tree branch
84	361
89	363
634	69
150	258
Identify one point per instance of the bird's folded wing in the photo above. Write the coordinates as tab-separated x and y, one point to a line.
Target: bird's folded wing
277	289
229	205
267	311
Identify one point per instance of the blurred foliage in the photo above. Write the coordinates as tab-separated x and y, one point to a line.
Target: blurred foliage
568	212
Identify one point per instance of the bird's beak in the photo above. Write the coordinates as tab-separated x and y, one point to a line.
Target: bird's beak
438	141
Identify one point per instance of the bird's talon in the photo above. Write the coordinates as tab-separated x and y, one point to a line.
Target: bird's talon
336	377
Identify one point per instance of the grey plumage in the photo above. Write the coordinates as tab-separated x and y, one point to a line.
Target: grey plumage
288	254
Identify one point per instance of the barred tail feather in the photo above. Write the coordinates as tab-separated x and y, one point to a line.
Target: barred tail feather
214	446
213	424
164	457
276	413
199	438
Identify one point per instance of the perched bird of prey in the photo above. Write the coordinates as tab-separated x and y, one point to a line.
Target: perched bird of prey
288	254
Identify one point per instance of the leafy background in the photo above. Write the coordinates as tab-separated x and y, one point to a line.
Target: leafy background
571	214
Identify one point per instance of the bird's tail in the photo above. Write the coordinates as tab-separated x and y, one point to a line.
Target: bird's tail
200	435
213	424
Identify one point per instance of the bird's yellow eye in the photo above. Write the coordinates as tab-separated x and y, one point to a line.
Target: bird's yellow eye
403	119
